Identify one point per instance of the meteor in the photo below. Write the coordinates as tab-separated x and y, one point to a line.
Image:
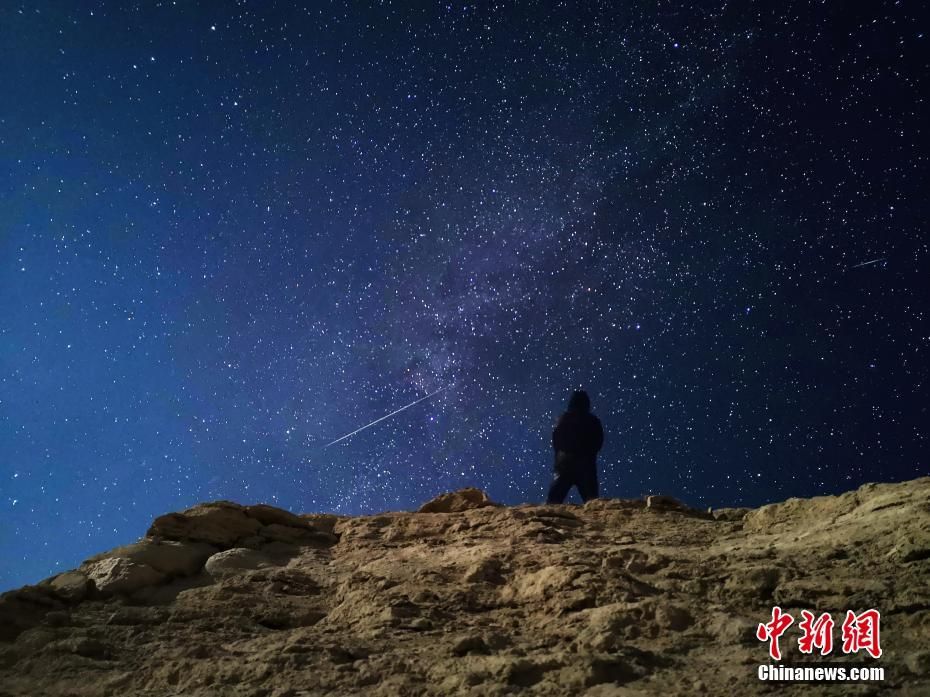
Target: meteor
866	263
396	411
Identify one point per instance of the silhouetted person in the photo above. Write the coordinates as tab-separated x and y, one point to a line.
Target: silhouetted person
576	440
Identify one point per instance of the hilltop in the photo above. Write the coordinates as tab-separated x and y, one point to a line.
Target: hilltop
466	597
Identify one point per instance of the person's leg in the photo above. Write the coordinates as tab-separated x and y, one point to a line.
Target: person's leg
587	483
559	488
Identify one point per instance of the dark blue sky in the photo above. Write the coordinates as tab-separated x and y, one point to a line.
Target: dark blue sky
232	232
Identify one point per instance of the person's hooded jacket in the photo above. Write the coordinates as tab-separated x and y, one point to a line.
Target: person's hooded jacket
578	435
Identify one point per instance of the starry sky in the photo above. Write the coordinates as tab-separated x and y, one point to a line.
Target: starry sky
233	232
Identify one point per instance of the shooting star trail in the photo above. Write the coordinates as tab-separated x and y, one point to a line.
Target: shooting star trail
396	411
866	263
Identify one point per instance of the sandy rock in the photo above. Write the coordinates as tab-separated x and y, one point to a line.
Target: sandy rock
488	570
730	628
729	514
24	608
400	611
753	582
421	624
255	542
513	672
588	671
220	523
605	628
88	647
633	560
71	586
35	639
614	690
120	575
556	514
132	616
471	643
918	662
297	535
234	561
625	604
324	522
460	500
613	504
269	515
168	557
673	617
610	627
541	584
797	513
910	548
660	502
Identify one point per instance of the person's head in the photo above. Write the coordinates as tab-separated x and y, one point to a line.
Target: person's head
579	401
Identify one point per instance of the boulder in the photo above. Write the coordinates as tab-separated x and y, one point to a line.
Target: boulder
235	561
269	515
606	627
595	670
461	500
673	617
660	502
87	647
468	603
729	514
609	627
753	582
797	513
613	504
541	584
219	523
485	571
303	536
634	560
24	608
35	639
71	586
120	575
324	522
470	643
731	628
909	549
165	556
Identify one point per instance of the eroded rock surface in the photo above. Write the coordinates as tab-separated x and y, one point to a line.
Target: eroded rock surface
613	598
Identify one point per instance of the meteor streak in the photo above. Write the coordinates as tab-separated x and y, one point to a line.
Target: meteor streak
384	417
866	263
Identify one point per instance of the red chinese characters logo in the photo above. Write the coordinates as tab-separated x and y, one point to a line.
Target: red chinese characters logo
816	633
774	629
860	632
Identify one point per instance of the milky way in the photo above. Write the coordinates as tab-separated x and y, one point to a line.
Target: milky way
234	232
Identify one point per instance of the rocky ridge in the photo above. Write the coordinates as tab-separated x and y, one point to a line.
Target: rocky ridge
465	597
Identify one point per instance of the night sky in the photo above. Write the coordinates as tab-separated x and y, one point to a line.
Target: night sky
231	233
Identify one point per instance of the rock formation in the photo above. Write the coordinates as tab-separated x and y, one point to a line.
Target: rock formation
466	597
